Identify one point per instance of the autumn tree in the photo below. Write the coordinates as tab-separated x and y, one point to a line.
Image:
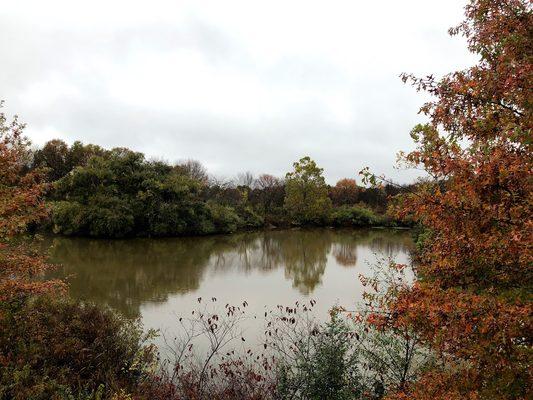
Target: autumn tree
306	192
21	204
266	181
471	303
345	191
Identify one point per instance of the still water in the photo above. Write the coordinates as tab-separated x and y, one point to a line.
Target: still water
160	279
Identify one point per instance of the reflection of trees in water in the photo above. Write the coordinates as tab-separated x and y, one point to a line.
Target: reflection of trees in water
390	244
305	256
386	242
302	254
345	254
127	273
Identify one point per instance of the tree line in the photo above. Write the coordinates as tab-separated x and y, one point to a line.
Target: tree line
120	193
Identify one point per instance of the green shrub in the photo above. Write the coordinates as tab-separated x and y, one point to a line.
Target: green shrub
167	220
250	219
326	369
120	194
103	217
69	218
354	216
224	218
67	350
109	217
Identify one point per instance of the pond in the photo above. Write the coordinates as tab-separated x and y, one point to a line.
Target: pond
160	279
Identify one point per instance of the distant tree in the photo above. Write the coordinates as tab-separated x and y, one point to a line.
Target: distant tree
223	191
375	197
306	192
217	181
345	192
79	154
268	193
194	170
245	179
54	156
266	181
243	183
59	159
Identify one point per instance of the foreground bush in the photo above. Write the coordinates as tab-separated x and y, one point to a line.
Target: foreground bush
55	349
60	349
324	367
298	357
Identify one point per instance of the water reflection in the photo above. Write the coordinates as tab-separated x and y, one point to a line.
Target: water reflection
126	274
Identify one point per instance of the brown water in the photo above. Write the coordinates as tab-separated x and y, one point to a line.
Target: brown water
157	279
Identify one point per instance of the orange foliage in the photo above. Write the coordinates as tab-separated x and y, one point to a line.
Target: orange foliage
472	300
21	203
345	191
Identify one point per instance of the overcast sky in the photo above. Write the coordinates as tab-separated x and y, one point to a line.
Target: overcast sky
239	85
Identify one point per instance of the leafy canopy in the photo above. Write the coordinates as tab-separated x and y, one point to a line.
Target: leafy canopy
306	192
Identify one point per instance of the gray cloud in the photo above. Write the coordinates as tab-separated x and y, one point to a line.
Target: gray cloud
239	85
